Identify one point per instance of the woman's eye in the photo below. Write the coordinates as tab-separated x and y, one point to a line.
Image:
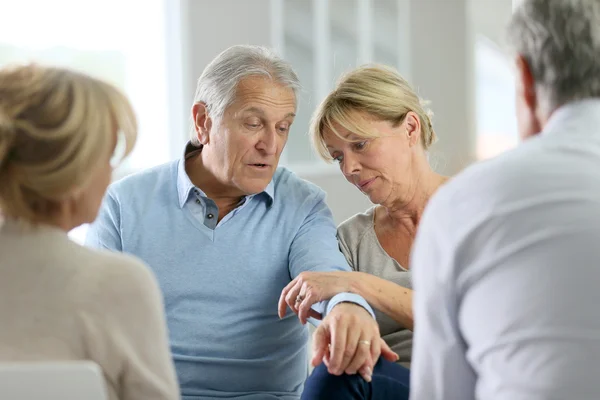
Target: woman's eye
360	145
338	159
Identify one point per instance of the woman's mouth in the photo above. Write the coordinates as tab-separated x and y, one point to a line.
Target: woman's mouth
362	185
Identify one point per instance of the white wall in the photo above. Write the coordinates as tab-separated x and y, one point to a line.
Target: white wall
209	27
442	71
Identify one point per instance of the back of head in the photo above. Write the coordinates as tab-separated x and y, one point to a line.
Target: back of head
560	40
377	91
218	83
56	125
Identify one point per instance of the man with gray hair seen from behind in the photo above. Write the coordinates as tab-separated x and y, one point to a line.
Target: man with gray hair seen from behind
506	261
225	231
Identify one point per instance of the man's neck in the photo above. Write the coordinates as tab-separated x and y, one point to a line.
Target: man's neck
225	198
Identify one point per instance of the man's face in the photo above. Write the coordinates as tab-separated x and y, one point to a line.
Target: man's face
244	147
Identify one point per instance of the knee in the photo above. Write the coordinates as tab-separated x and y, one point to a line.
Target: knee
323	385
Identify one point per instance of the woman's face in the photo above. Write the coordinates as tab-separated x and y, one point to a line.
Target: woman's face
382	168
90	198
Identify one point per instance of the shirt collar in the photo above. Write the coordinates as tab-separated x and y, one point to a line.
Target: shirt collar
270	192
185	185
586	111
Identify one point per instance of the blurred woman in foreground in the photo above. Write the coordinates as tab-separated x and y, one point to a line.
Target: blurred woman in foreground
61	135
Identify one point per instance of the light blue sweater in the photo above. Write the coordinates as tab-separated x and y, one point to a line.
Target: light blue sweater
221	282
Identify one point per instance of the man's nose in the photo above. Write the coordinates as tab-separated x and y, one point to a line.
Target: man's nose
268	142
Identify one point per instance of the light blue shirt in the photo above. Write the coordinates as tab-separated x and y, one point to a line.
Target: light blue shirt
221	281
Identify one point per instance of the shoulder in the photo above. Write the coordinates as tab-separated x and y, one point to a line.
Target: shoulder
140	183
295	189
488	185
351	231
114	279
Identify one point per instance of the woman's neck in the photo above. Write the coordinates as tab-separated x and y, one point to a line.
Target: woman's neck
50	223
406	213
63	222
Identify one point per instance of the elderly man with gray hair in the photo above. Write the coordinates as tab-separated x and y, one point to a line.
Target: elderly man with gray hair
225	230
507	261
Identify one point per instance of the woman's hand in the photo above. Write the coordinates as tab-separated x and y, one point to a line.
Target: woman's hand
309	288
348	341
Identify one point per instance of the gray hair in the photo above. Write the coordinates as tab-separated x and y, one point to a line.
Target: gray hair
560	40
218	83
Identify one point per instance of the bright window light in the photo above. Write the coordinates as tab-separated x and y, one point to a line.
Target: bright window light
495	100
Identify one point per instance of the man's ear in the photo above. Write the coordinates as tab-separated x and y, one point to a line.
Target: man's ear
412	125
202	122
528	106
526	87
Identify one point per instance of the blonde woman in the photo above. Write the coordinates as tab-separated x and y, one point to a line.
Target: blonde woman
375	126
61	135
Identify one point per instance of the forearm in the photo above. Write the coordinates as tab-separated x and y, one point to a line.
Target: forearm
388	297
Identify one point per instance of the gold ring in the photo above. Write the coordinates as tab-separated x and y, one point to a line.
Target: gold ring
367	342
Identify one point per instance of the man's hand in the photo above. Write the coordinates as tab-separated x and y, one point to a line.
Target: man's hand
348	341
309	288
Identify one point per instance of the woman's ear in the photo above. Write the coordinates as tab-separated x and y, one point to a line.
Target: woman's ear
202	122
412	126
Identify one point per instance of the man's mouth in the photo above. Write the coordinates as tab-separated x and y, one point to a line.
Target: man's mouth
259	165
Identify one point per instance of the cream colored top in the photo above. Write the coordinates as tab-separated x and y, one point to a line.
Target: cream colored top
61	301
359	243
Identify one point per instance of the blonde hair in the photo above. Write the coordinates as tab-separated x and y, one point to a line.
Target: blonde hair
377	91
56	125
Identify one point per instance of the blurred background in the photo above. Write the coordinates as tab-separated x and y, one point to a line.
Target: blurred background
452	52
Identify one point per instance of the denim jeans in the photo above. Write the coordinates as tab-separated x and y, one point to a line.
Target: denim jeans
389	381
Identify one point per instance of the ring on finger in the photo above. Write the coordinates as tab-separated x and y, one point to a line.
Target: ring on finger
299	298
365	342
